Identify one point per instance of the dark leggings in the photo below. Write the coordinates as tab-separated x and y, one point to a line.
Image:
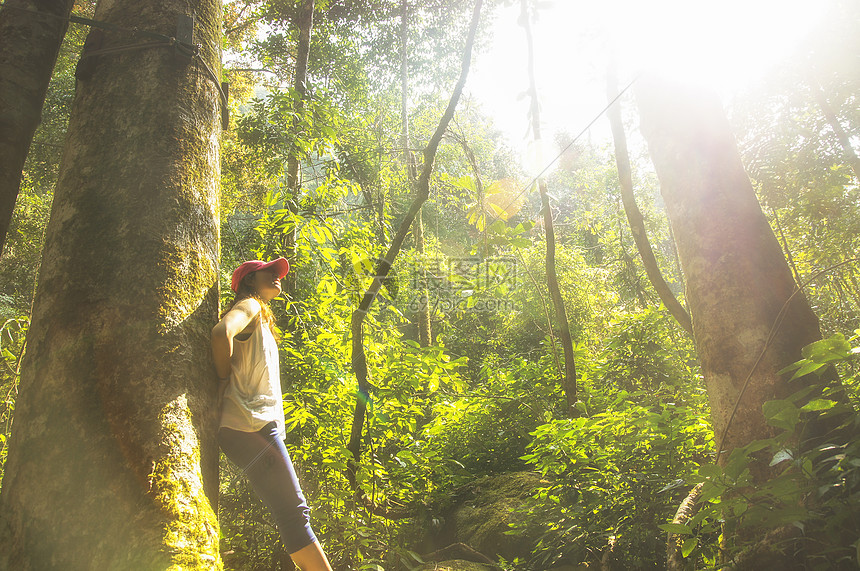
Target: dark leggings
263	458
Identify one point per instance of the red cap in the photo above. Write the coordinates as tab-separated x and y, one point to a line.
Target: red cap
251	266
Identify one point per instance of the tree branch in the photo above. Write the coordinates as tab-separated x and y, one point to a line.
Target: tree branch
359	360
634	215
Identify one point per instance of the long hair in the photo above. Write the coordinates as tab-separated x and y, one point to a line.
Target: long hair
245	291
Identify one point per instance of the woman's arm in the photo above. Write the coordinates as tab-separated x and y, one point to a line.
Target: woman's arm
233	323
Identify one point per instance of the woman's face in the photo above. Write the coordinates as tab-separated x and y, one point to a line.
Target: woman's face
267	284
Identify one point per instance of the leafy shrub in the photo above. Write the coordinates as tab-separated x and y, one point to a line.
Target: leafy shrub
815	489
614	477
486	430
647	350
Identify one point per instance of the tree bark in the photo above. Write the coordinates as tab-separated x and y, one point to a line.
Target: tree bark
738	282
686	511
568	380
634	215
31	33
425	327
113	462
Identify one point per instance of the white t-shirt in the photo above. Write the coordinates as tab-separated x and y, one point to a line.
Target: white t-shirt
253	397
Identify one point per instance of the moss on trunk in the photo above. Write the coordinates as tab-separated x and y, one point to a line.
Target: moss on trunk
113	459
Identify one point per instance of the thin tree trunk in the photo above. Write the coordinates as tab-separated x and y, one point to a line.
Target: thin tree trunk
634	215
838	130
408	158
31	34
738	282
569	380
786	249
479	186
305	24
425	333
422	191
113	462
686	511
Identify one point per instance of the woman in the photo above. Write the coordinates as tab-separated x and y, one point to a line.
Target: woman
252	413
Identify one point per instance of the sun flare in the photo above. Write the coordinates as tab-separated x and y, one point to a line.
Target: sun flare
725	45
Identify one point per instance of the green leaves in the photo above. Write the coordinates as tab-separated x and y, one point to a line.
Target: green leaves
818	355
617	469
821	476
500	201
817	405
677	528
781	414
688	546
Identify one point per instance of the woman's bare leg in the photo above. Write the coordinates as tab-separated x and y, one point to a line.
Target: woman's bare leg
311	558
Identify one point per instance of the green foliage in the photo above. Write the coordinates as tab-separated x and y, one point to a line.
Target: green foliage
22	252
486	430
814	485
275	127
821	354
618	471
13	333
647	350
485	398
397	470
613	475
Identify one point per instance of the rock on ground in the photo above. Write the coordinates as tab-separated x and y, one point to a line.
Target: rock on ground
479	514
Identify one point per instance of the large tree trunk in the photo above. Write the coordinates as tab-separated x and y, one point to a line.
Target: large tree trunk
737	279
30	37
113	462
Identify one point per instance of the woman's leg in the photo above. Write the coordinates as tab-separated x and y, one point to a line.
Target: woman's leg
263	458
311	558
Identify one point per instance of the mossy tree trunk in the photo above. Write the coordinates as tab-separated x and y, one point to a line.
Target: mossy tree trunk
30	37
113	462
738	281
